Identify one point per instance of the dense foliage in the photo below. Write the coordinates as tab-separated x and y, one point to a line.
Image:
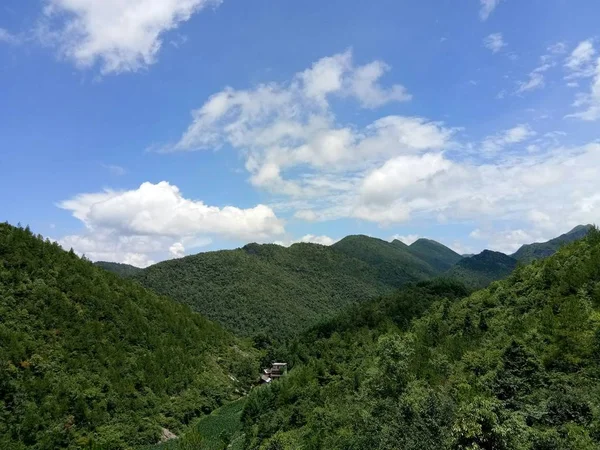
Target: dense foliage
478	271
514	366
124	270
277	291
88	359
539	250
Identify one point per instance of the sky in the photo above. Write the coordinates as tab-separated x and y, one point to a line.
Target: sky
143	130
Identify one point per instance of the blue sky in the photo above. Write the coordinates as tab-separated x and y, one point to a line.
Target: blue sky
141	130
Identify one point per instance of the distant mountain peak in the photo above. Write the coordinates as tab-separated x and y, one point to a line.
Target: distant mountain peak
434	253
538	250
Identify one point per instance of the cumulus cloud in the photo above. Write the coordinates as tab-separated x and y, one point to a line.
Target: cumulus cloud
155	218
120	36
160	209
487	8
494	42
508	190
281	126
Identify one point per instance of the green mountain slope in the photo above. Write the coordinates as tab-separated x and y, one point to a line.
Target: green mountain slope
266	289
514	366
529	252
90	360
480	270
124	270
435	254
395	264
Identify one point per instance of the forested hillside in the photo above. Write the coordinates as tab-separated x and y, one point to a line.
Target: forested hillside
89	360
266	289
477	271
514	366
125	270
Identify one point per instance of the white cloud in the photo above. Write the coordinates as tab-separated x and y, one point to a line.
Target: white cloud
120	36
591	100
493	144
160	209
323	240
407	239
306	214
107	246
363	86
536	78
505	241
146	221
278	127
579	59
503	191
9	38
399	175
487	7
494	42
177	250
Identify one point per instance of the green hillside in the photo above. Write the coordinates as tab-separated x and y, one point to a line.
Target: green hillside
124	270
395	264
438	256
529	252
266	289
90	360
514	366
478	271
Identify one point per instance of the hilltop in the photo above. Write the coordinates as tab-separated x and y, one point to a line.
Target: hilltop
88	359
435	254
480	270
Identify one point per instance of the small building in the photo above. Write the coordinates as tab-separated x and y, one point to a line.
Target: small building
277	370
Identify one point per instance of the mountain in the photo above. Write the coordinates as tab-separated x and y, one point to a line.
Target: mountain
480	270
435	254
124	270
91	360
267	289
514	366
529	252
394	263
278	291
